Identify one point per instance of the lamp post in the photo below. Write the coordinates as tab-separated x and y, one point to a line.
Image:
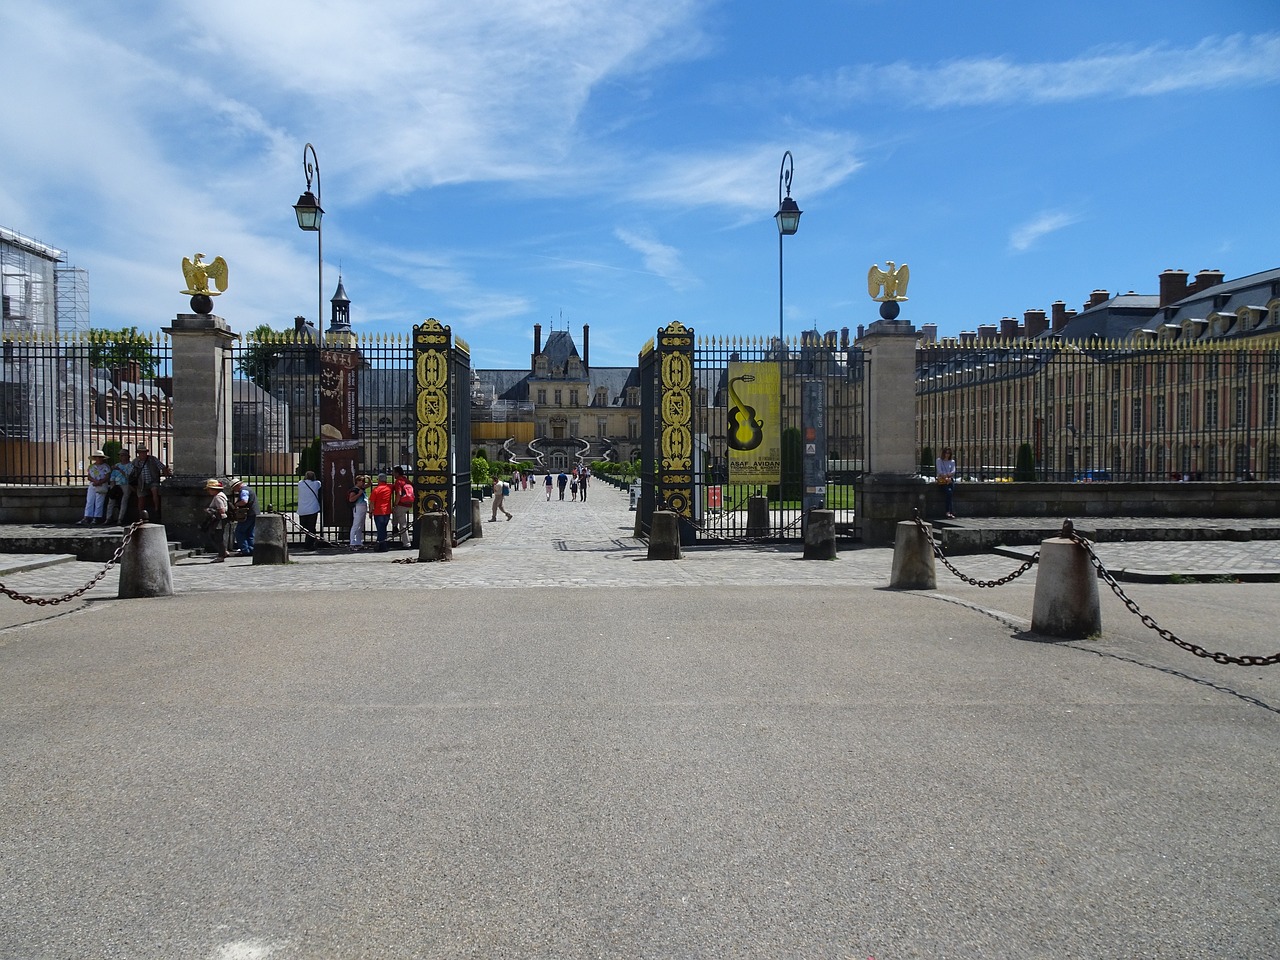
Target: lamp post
788	217
310	213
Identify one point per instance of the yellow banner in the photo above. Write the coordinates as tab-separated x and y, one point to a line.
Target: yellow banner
753	423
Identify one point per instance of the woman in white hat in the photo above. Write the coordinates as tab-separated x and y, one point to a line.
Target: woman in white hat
215	527
95	499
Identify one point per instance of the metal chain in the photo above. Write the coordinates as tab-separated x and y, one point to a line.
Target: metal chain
1147	621
129	531
937	552
297	526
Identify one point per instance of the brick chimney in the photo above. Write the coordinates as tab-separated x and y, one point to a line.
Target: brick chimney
987	331
1173	286
586	345
929	333
1035	323
1206	279
537	339
967	337
1009	328
1097	297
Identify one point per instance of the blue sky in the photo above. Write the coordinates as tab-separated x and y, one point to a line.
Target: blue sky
563	162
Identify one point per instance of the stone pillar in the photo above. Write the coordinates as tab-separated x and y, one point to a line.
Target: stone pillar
270	545
890	489
664	536
1066	597
201	419
144	564
477	520
913	567
435	541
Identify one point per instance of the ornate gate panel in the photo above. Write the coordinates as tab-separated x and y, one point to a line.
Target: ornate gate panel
675	411
441	454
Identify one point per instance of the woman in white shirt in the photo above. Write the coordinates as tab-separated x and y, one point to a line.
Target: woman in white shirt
946	474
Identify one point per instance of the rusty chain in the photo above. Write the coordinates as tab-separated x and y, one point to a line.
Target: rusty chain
129	531
937	552
1147	621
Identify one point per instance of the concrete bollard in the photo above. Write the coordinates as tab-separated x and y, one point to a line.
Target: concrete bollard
477	519
1066	600
913	567
757	516
144	565
434	539
820	535
664	536
270	545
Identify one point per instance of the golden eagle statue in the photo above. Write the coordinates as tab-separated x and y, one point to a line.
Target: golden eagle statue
199	273
893	281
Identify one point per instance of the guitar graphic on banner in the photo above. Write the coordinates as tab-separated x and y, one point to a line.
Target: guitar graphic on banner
745	431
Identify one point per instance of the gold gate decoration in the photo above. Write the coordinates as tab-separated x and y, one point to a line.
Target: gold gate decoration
431	349
675	468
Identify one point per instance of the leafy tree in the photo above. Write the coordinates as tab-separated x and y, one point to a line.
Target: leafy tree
263	350
114	349
480	474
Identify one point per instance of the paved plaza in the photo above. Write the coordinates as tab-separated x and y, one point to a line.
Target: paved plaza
738	754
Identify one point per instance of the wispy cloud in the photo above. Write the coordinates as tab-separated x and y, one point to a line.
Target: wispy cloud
659	258
1025	236
1117	71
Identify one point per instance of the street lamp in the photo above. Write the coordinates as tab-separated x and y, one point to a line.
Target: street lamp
310	213
788	217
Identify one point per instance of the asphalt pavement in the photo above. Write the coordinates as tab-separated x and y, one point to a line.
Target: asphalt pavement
551	747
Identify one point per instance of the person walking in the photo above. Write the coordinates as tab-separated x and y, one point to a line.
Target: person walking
95	497
550	483
380	498
118	494
309	508
583	474
945	474
244	510
359	509
215	524
499	495
562	481
402	500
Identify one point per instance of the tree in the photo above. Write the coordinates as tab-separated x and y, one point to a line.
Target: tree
1024	469
116	349
263	350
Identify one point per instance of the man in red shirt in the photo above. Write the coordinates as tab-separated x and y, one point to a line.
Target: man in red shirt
401	506
380	507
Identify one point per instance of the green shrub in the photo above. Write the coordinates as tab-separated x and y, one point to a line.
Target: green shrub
1024	468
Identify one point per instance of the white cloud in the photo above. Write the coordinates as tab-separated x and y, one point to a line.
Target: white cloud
1025	236
659	258
1120	71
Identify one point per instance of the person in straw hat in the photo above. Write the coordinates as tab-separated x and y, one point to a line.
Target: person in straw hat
215	526
95	499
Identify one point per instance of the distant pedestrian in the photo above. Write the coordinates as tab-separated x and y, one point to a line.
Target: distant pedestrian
244	511
215	523
144	477
95	498
402	501
562	481
118	498
359	501
499	494
309	507
945	474
550	482
380	498
582	482
573	489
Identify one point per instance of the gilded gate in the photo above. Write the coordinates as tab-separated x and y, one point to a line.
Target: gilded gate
442	441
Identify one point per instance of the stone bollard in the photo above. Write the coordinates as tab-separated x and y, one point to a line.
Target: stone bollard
1066	600
144	565
664	536
913	567
820	535
477	520
434	539
757	516
270	545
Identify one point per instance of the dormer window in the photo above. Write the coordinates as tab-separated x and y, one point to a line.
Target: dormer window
541	366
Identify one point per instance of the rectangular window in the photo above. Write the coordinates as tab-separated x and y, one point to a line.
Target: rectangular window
1273	404
1242	407
1184	411
573	398
542	397
1115	378
1211	409
1088	418
1139	377
559	401
1159	411
602	427
1211	367
1135	415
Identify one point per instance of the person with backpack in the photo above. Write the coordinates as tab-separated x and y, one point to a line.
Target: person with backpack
499	494
244	511
402	500
380	500
309	508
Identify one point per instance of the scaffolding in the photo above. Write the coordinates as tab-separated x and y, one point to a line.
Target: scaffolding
28	283
71	307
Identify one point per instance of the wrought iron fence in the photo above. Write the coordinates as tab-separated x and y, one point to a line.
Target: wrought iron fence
834	431
1101	411
63	398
